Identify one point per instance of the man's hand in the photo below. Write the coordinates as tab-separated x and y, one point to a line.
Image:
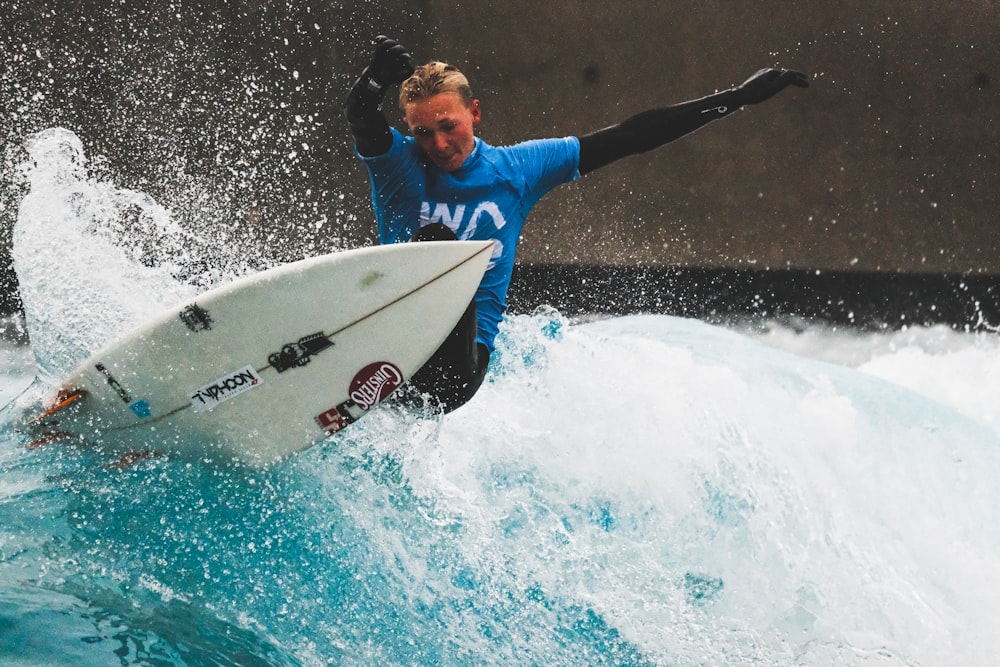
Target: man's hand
391	63
768	82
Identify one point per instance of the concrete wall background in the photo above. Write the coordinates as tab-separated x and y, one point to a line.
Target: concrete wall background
889	162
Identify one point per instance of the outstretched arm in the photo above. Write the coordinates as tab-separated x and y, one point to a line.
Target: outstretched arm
654	128
391	63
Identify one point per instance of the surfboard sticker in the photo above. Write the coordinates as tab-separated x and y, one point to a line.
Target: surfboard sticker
337	418
370	386
333	420
224	388
374	382
113	383
196	318
141	408
298	354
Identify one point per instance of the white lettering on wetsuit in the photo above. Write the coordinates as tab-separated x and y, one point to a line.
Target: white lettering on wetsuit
454	220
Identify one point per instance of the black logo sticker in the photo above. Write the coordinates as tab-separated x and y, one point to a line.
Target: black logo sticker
293	355
120	390
196	318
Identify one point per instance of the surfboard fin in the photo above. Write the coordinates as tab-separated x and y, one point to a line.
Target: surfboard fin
47	438
64	399
132	458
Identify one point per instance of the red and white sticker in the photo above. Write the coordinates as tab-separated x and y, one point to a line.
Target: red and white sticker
374	382
332	420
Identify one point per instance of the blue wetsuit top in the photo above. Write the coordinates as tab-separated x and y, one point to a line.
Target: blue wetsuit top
488	197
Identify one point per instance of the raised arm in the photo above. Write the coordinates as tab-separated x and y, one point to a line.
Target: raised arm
656	127
391	63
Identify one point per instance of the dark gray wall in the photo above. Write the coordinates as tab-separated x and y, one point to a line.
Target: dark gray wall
889	162
207	106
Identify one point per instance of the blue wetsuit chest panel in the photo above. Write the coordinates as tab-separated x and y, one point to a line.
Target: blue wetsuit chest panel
487	198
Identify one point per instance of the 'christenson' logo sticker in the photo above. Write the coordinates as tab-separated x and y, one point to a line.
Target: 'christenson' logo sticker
226	387
374	382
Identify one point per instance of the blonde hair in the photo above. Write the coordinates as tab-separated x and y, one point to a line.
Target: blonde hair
433	79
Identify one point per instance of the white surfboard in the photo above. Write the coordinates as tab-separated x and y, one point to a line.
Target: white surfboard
274	362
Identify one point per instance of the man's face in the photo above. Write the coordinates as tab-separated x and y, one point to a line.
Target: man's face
443	127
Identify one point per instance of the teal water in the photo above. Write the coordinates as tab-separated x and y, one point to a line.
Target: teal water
640	490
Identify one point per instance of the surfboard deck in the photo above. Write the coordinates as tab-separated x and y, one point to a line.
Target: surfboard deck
274	362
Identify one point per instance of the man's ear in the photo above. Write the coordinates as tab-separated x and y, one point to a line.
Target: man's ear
477	112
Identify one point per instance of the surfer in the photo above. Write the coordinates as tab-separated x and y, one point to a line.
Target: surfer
443	182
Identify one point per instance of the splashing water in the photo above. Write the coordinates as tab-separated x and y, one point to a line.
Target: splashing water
84	253
636	491
94	260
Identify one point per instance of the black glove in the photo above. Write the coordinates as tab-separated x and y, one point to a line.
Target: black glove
391	63
768	82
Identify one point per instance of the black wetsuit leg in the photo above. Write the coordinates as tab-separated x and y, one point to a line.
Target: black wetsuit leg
456	370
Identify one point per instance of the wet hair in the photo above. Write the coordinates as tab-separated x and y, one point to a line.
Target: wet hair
433	79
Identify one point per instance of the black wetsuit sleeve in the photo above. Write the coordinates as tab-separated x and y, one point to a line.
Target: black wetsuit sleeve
363	110
391	64
652	129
